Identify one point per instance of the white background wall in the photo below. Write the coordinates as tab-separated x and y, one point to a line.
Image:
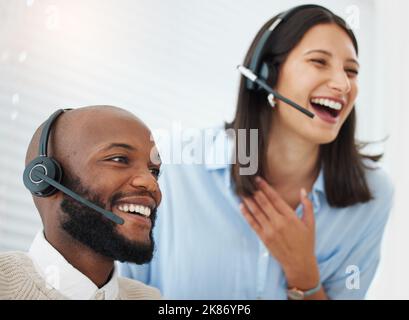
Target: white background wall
174	61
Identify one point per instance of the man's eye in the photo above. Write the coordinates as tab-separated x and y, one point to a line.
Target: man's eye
119	159
155	172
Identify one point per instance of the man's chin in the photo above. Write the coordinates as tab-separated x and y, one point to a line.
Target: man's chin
135	252
101	236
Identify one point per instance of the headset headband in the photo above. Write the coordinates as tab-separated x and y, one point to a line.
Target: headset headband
45	134
258	53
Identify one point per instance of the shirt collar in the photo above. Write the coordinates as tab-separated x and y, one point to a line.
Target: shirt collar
319	182
317	189
220	156
62	276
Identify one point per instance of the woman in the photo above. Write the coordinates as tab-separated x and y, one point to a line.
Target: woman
309	223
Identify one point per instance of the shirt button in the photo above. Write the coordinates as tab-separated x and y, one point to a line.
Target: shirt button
265	254
259	298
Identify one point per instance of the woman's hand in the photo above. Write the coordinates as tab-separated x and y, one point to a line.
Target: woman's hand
289	239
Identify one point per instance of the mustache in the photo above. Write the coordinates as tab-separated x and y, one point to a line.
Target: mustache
119	195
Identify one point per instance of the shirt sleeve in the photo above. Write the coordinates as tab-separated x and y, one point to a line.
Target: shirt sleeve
357	270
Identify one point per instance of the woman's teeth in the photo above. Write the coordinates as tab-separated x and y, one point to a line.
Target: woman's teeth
327	103
146	211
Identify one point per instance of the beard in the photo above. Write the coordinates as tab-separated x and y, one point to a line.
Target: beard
97	232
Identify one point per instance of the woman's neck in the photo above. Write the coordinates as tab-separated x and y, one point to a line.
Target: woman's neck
292	160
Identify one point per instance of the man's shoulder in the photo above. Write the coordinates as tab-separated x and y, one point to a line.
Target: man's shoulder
12	272
135	290
11	261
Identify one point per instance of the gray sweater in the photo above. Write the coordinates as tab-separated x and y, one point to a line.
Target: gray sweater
19	280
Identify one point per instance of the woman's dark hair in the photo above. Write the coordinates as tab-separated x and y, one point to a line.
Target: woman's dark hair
344	169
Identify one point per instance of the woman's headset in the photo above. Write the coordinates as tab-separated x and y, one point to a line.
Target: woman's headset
259	67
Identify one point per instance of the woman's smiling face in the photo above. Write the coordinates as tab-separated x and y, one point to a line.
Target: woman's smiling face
320	73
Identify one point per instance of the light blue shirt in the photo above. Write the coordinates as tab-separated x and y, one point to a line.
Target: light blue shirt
207	250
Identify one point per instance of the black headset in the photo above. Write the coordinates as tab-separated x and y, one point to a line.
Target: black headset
257	65
43	175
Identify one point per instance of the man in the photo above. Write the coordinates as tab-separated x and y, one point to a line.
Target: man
105	153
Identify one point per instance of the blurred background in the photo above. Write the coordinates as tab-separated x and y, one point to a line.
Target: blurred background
175	62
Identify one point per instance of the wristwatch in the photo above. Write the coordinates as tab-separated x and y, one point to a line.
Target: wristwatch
297	294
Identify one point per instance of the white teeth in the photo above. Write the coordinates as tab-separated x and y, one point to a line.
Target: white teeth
328	103
146	211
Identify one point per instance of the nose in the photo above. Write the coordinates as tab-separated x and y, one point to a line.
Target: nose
340	82
145	180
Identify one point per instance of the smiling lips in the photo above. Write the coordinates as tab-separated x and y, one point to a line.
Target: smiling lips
141	206
328	102
327	108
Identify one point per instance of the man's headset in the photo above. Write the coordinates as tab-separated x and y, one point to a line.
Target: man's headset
259	71
43	175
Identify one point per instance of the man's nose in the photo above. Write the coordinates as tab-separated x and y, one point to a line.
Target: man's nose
145	180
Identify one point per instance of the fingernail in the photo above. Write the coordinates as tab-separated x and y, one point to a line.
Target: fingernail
303	193
258	179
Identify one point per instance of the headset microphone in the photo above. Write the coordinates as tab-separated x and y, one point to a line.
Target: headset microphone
251	76
42	176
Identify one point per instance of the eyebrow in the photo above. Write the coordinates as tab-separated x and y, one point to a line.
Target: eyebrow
330	54
119	145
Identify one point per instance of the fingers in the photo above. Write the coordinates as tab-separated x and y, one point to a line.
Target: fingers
250	219
256	212
275	199
265	205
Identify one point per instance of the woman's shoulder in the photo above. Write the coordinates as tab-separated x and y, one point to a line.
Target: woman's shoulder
382	190
196	149
378	179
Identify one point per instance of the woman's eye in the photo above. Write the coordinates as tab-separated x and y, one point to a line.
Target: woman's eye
119	159
155	172
319	61
352	72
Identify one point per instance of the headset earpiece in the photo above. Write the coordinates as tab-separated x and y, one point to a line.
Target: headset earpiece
44	164
50	170
47	166
264	71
